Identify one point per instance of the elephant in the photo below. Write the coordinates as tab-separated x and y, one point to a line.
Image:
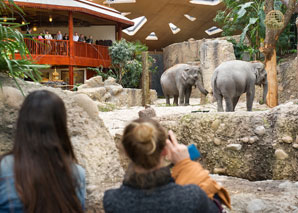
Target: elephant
178	80
233	78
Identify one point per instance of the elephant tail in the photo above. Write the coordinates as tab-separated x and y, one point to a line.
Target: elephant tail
214	84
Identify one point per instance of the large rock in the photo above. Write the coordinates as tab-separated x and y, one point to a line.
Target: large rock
112	93
230	142
288	79
94	147
212	54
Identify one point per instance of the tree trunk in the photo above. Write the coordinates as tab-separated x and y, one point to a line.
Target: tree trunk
270	52
272	95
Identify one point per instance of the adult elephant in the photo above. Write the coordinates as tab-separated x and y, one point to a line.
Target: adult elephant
233	78
178	80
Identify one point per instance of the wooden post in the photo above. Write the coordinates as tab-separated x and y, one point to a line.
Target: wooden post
119	32
71	46
145	80
297	33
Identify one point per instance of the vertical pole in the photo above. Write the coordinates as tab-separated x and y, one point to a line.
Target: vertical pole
297	49
145	80
71	46
119	32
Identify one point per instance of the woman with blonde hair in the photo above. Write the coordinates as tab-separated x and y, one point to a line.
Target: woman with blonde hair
40	174
148	185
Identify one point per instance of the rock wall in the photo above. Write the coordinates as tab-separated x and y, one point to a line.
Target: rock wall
255	146
94	147
208	52
109	91
287	79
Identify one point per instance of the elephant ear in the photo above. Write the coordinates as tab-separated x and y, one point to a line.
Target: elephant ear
258	68
185	74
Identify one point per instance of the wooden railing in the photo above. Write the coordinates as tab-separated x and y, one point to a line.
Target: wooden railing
61	48
82	49
47	47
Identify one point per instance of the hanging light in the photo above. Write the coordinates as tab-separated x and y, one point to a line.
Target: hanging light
50	19
5	19
23	22
34	28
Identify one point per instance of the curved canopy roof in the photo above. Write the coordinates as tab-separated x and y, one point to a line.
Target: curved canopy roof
82	6
168	21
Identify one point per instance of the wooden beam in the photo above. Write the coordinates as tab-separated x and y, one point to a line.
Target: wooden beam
71	76
119	32
71	45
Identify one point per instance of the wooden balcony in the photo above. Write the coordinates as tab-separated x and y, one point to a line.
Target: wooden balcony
57	52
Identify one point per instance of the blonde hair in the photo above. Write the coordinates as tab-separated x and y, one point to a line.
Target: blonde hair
143	140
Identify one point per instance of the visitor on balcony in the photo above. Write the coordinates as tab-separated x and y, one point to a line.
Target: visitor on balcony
90	40
47	35
59	35
40	174
40	36
82	38
76	37
65	37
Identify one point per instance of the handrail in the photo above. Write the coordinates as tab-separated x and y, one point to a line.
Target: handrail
61	48
47	46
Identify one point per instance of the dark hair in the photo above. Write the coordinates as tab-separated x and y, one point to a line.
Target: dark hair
44	157
143	140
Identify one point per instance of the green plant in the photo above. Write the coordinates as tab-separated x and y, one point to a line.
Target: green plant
12	43
127	62
107	107
244	16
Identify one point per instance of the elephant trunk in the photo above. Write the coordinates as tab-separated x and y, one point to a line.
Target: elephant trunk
265	90
200	85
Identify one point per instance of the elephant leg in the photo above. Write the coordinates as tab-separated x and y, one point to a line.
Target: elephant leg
187	95
167	100
250	95
218	99
181	95
229	104
175	100
235	101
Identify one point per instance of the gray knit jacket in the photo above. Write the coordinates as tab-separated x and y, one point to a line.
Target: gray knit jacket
156	192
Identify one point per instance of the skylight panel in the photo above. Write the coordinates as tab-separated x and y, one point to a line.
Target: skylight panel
174	28
213	30
191	18
152	36
119	1
206	2
125	13
138	24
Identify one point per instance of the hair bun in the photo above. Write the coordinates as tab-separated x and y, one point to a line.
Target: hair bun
145	134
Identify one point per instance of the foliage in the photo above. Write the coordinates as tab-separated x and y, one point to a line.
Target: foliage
245	16
248	17
286	42
12	43
127	62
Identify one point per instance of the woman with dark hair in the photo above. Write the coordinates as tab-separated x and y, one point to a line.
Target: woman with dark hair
148	185
40	174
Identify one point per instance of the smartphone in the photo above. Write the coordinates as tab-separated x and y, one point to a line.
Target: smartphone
193	152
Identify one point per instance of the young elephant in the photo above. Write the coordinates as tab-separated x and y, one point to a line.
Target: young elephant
233	78
178	80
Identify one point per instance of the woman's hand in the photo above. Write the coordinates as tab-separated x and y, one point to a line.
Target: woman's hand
175	152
